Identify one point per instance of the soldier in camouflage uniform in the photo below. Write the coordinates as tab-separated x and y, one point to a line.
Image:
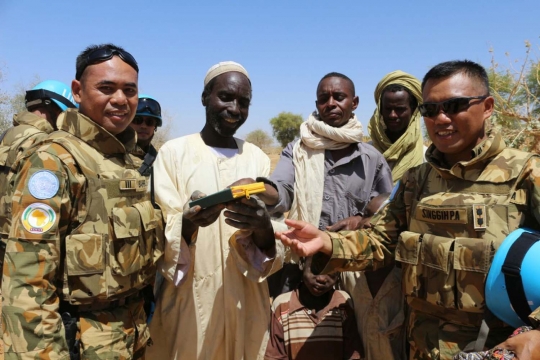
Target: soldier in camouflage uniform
80	250
43	103
445	219
146	121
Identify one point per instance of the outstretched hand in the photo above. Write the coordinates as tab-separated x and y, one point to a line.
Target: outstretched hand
304	239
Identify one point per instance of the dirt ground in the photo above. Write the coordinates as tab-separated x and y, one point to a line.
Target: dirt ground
274	158
273	153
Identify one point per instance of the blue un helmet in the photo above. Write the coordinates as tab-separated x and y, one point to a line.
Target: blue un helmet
50	90
513	283
148	106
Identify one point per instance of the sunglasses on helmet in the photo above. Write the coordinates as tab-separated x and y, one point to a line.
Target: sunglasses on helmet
449	107
149	121
103	54
148	106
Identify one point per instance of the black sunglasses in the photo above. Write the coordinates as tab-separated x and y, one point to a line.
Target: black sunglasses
106	53
450	107
148	106
149	121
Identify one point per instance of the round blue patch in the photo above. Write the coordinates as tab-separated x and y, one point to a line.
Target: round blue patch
43	184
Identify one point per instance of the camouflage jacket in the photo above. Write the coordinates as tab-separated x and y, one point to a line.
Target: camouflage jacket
444	226
83	234
28	129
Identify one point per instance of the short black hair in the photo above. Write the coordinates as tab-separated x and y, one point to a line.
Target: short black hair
82	60
470	68
340	75
413	102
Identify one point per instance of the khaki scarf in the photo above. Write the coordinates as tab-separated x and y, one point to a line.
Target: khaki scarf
308	160
408	150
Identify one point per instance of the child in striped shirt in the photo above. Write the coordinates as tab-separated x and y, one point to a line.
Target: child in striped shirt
313	322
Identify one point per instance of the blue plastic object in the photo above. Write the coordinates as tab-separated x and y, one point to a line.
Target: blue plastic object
59	88
497	298
148	106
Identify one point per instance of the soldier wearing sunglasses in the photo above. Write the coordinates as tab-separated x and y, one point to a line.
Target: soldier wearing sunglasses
145	123
444	222
79	256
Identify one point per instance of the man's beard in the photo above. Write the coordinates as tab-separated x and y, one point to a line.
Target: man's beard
216	121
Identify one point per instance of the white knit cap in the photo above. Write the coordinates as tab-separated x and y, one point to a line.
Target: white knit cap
224	67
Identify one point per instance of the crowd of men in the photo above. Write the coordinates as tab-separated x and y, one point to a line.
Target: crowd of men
388	250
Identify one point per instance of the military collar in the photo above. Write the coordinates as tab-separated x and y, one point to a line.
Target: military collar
28	118
471	169
96	136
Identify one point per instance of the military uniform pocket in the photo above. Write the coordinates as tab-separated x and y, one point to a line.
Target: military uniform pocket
149	224
84	254
407	252
436	256
436	252
472	260
472	254
125	253
408	247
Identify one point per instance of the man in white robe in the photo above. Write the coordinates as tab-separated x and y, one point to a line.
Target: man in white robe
214	302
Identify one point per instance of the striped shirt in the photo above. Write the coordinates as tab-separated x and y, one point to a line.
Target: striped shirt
300	333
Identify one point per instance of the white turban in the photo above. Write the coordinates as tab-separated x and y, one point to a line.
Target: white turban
222	68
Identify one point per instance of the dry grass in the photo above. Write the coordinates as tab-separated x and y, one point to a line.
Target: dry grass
273	153
274	158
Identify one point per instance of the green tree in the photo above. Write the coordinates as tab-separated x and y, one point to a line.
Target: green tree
286	127
260	138
516	89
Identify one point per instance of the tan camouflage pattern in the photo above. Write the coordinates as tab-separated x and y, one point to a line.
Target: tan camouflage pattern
445	260
100	248
28	129
138	155
535	318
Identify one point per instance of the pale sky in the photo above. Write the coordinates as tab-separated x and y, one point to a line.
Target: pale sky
286	46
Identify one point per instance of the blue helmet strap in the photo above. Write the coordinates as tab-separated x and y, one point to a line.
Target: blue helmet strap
36	97
512	274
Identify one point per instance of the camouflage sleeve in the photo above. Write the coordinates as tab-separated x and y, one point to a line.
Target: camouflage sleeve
535	318
532	186
43	191
29	142
369	249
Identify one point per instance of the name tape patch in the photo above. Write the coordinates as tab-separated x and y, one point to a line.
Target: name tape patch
38	218
43	184
441	215
134	184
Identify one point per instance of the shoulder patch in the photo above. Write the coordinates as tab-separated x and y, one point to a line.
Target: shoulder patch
38	218
43	184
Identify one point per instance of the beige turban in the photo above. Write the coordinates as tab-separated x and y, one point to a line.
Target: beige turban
408	150
222	68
